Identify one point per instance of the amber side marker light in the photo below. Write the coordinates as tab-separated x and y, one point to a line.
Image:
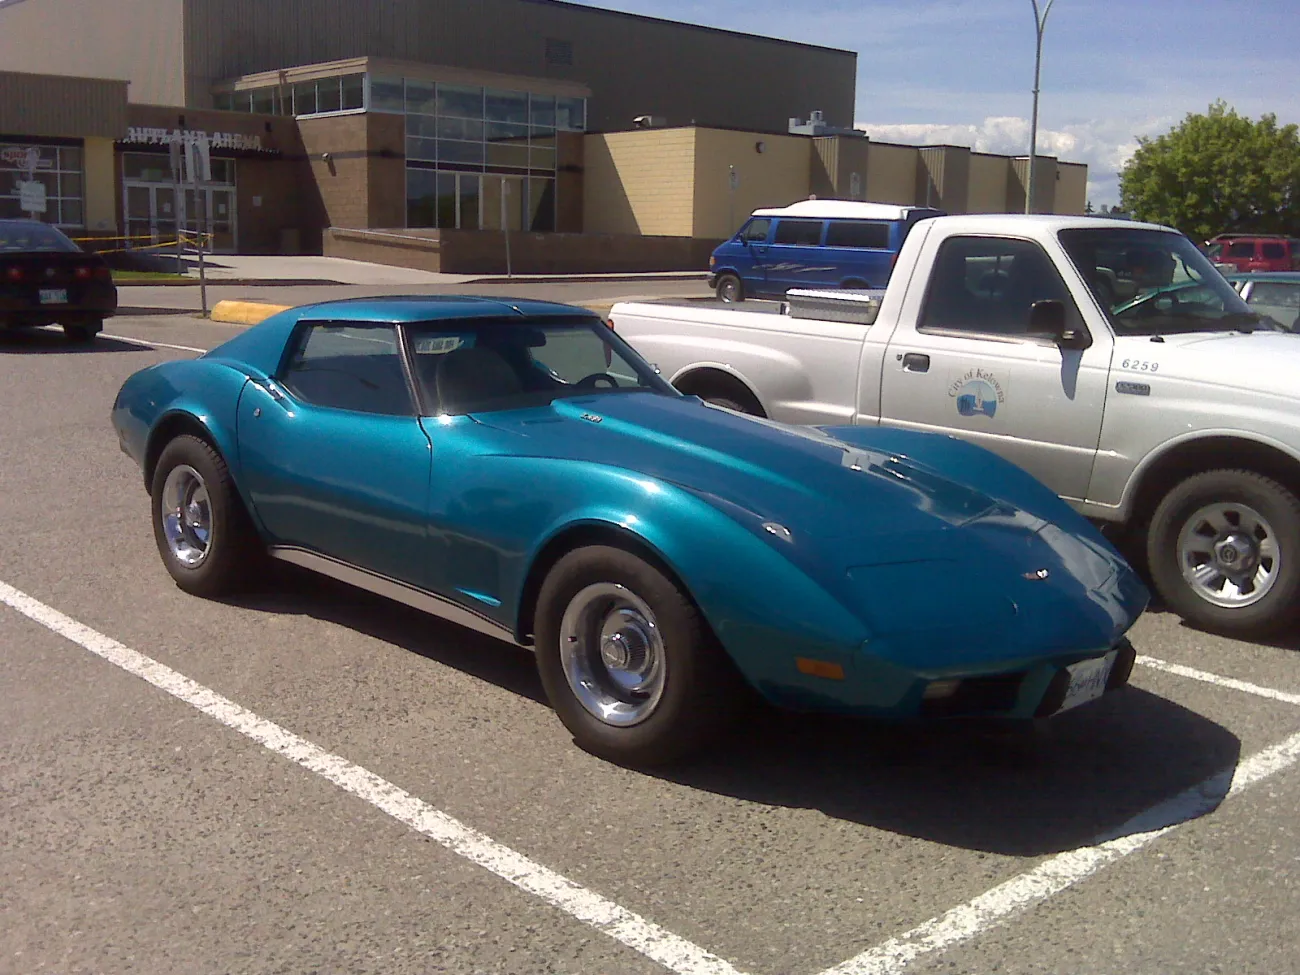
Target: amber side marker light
819	668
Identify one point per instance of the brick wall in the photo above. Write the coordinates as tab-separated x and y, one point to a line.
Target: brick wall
640	182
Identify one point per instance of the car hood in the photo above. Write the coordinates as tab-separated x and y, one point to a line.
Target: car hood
1260	361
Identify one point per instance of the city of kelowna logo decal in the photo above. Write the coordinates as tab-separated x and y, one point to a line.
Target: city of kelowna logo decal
977	392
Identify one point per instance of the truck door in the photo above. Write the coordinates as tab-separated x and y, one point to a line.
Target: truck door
963	360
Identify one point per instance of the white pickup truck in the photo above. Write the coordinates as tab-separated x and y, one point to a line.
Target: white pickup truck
1108	358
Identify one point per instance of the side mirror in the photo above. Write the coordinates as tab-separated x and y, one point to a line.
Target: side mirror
1048	318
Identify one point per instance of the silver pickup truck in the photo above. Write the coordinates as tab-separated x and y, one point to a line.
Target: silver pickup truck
1108	358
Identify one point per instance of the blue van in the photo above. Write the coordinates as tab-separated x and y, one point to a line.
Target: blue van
813	244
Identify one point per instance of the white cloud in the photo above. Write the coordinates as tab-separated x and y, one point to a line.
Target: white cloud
1103	144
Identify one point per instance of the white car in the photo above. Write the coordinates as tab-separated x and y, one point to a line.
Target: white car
1108	358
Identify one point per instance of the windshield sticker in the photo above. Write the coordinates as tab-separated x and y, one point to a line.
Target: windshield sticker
437	344
978	392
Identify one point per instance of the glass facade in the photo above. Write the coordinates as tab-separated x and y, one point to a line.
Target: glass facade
476	158
58	169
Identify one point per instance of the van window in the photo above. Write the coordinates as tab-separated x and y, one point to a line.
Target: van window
1274	251
1242	248
803	233
756	231
857	233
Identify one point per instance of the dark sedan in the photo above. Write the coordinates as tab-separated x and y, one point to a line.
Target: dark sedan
46	279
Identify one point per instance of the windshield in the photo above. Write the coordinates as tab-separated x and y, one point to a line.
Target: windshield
22	236
1153	282
475	367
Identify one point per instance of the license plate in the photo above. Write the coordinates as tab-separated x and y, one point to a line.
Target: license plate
1087	680
54	296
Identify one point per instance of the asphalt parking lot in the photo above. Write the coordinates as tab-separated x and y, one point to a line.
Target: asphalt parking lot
311	779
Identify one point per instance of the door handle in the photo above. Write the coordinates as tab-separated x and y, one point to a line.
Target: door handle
916	362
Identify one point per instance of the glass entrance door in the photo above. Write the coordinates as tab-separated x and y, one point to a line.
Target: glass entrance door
215	207
150	214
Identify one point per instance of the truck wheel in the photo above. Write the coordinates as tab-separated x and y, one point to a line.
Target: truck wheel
722	390
204	535
1224	552
729	289
628	663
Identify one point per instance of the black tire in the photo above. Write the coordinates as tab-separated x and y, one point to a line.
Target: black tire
854	284
702	691
729	289
234	552
725	392
82	333
1279	507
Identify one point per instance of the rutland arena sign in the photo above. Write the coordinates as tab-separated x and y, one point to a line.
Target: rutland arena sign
147	136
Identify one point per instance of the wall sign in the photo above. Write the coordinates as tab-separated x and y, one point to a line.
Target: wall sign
149	136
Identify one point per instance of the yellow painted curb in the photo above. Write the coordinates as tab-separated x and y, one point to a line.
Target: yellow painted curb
245	312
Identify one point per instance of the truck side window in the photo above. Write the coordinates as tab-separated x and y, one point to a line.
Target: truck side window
857	233
756	231
804	233
988	285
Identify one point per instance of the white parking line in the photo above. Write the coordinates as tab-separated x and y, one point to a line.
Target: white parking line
1155	663
1067	869
149	343
674	953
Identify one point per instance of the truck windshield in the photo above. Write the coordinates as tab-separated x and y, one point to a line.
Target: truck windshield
1153	282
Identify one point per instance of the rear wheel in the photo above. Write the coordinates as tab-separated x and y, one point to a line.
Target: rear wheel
82	332
723	390
628	663
729	289
205	537
1224	552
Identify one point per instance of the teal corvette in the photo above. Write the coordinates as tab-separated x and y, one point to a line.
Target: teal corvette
516	467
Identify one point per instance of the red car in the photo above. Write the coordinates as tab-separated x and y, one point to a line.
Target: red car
1254	252
46	279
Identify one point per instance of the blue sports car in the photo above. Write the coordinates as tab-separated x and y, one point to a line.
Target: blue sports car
516	467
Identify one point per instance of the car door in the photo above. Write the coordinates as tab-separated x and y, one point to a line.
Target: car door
794	254
333	456
752	257
963	361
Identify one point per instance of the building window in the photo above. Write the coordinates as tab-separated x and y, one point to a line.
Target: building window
58	173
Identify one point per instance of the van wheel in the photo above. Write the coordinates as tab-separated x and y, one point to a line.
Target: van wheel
855	285
1224	552
729	289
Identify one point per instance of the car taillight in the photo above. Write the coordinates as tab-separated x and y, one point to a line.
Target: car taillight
14	274
82	273
85	272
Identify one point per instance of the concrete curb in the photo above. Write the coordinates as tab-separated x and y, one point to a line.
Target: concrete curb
244	312
591	278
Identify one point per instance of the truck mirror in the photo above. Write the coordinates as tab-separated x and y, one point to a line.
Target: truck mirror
1048	318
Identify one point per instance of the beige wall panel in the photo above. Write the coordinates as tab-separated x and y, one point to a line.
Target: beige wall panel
635	65
51	105
988	183
640	182
130	40
1071	188
778	176
891	174
100	184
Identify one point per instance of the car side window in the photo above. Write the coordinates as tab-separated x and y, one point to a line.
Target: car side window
857	233
756	231
349	366
802	233
1242	248
1274	252
1279	301
989	284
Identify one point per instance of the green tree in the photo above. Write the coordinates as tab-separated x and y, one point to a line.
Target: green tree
1217	172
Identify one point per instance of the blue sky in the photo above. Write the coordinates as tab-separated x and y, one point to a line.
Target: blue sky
960	71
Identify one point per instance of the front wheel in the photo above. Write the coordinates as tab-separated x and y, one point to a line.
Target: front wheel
729	289
82	332
1224	552
204	535
627	662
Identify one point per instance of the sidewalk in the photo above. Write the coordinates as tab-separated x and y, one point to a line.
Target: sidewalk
245	269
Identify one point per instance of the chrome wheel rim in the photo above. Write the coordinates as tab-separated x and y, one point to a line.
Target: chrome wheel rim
613	654
1229	555
186	512
730	290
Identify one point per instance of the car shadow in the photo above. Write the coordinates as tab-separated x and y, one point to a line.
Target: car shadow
32	341
1017	791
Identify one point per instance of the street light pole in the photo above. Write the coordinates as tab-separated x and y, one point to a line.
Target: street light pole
1040	24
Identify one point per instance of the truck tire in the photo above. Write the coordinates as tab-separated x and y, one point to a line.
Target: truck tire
722	390
729	289
1224	552
627	661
